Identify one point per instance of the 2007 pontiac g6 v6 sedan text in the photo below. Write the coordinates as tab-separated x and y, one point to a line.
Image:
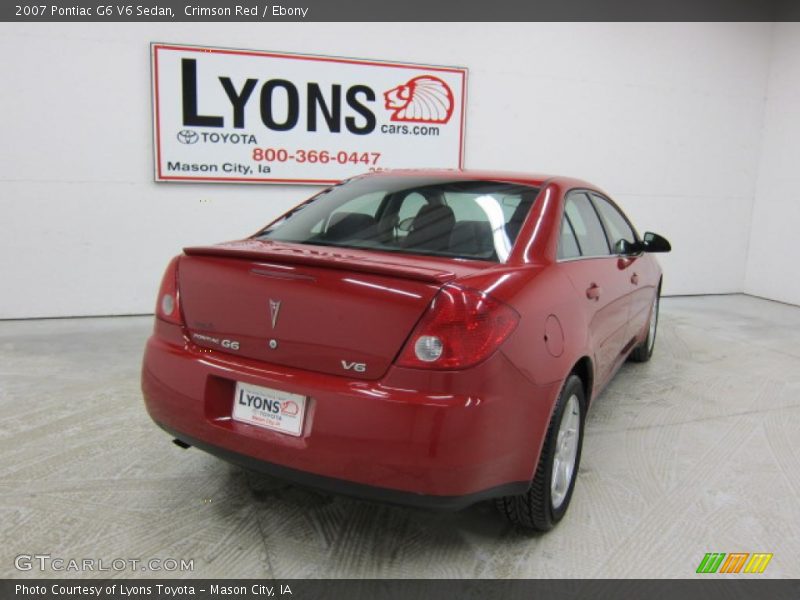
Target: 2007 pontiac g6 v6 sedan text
421	337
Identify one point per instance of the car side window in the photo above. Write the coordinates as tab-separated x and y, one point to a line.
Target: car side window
589	233
411	206
567	243
616	225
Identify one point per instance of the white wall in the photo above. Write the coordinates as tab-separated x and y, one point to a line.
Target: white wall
773	267
665	117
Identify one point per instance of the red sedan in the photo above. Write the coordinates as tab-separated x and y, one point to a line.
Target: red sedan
421	337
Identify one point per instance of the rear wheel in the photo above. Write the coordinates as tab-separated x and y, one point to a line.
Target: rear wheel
644	351
548	498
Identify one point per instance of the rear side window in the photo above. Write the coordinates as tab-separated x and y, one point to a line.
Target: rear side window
617	226
583	218
567	244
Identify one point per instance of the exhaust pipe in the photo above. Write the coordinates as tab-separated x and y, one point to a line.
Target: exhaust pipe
181	444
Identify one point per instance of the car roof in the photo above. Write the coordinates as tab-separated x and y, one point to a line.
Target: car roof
533	179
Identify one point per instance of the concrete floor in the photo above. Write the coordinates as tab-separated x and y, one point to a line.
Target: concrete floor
697	451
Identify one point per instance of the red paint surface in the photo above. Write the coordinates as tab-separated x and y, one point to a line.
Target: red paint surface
425	431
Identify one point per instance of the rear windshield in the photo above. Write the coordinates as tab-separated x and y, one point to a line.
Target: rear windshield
455	218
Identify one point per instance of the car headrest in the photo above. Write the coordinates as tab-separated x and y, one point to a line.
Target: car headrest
431	228
345	226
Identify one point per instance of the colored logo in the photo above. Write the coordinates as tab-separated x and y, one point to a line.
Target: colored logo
274	310
735	562
187	136
289	408
424	99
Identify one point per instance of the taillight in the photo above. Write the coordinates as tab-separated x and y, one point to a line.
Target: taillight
168	304
461	328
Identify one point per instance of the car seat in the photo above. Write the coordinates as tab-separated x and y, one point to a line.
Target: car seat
431	228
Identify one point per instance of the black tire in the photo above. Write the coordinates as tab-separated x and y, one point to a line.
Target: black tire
534	509
644	351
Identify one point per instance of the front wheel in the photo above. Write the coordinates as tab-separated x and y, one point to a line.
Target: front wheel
644	351
547	500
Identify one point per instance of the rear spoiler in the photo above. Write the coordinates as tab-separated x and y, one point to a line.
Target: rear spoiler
325	257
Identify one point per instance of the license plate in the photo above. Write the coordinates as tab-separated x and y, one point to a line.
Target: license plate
268	408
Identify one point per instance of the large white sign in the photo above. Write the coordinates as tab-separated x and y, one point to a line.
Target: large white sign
247	116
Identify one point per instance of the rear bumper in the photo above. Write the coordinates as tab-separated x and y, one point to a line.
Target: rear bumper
349	488
436	439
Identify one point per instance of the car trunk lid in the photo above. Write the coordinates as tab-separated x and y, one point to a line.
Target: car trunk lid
342	312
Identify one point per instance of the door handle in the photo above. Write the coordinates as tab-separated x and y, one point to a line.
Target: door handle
593	292
635	279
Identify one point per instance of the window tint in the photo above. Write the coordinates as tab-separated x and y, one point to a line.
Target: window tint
588	229
411	205
510	206
426	215
567	244
616	226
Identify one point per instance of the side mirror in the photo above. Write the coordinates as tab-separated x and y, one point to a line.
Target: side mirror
652	242
625	248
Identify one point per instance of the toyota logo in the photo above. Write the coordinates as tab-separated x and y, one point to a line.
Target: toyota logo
187	136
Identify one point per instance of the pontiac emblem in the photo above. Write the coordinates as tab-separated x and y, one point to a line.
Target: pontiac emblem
274	309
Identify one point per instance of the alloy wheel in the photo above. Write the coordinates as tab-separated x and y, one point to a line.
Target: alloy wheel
566	452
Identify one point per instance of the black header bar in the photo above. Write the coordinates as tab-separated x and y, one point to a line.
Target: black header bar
407	10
